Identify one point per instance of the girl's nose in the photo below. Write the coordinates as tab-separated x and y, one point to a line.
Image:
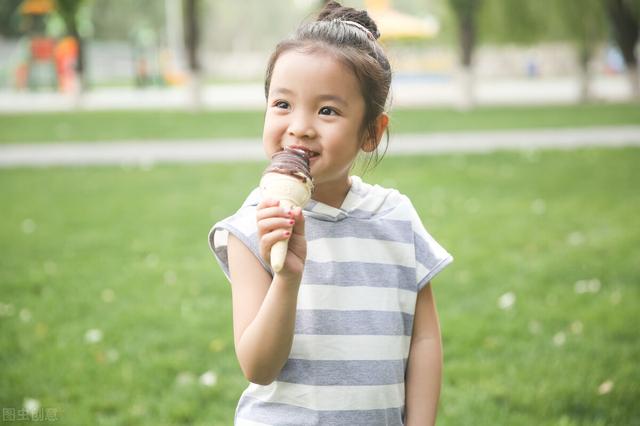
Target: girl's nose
301	127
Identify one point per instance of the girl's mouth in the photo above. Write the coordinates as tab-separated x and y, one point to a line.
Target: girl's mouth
310	154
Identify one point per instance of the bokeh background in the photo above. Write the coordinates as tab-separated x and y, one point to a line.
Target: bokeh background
127	128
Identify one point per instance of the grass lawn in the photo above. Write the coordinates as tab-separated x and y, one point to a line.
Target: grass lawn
127	125
113	310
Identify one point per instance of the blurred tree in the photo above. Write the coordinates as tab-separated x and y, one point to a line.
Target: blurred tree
503	21
10	18
116	22
68	10
466	13
582	22
585	25
624	16
192	41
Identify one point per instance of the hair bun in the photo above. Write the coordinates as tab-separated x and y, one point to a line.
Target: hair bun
334	10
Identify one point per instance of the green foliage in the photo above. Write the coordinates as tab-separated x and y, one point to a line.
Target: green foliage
634	5
506	21
10	18
118	22
465	7
68	10
585	21
531	21
123	251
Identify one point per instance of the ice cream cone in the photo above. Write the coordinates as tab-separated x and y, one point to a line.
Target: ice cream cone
291	192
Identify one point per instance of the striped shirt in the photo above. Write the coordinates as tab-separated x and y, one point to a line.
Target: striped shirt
366	263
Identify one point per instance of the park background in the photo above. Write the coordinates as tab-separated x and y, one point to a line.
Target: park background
113	310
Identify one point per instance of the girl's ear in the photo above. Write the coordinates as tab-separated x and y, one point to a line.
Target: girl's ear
372	142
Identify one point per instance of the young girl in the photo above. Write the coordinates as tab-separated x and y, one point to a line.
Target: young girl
347	332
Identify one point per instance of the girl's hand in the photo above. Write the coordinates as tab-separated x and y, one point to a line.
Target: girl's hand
276	224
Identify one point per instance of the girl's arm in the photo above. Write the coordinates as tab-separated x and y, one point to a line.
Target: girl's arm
264	308
424	369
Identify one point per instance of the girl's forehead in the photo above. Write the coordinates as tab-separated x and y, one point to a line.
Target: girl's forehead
314	70
318	60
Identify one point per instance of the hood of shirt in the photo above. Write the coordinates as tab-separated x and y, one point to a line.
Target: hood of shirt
362	201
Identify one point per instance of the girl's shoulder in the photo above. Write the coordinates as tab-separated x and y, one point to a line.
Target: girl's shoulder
383	200
242	224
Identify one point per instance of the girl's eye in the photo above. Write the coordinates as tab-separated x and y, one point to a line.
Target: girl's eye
281	104
327	111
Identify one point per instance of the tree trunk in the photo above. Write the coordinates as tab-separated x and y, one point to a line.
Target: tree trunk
466	85
192	41
633	75
467	33
585	94
626	32
467	36
79	85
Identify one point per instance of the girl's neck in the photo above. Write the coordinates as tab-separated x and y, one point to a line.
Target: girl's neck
332	193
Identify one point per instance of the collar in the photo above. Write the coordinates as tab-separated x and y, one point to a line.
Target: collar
362	201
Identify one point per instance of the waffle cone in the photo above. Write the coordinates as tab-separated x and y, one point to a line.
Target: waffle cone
291	192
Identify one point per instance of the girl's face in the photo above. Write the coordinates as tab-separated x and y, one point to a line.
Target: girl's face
314	103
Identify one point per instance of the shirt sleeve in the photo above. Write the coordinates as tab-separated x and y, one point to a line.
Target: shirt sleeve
431	257
243	226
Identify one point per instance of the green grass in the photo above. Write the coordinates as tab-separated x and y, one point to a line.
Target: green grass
124	250
164	125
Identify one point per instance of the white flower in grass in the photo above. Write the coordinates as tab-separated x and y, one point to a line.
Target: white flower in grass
616	297
31	406
113	355
170	277
593	285
534	327
28	226
151	260
507	300
107	295
576	327
530	155
576	238
185	378
25	315
6	310
93	335
559	338
605	387
538	206
209	379
587	286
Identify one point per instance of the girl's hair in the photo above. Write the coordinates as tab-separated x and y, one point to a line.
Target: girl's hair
349	35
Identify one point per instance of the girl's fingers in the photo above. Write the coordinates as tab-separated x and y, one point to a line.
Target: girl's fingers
272	211
269	239
272	223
